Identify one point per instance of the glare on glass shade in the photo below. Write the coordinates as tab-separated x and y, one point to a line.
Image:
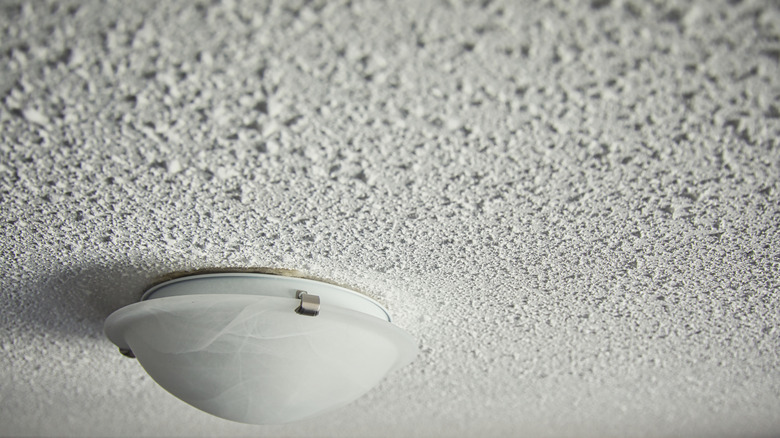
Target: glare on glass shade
253	348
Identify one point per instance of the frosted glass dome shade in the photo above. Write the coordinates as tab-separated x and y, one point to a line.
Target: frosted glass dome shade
243	352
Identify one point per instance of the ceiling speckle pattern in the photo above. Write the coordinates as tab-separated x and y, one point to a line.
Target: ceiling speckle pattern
573	206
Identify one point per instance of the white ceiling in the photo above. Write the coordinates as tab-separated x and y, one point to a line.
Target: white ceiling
574	206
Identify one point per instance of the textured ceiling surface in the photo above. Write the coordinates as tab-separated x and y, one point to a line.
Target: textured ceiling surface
573	206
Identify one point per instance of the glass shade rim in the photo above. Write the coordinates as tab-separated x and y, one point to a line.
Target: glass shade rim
262	284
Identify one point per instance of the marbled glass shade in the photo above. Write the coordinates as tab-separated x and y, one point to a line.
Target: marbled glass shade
253	359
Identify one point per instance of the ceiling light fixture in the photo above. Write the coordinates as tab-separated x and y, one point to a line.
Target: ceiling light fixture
260	348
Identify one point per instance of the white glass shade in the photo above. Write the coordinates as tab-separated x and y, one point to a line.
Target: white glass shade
243	353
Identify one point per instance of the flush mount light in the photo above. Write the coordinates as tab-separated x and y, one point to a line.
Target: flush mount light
260	348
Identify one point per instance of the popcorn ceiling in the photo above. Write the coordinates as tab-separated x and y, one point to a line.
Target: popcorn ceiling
572	205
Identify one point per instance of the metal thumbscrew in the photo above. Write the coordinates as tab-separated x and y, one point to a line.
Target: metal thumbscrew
310	304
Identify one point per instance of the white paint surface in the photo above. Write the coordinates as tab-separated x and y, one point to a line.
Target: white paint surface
574	206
